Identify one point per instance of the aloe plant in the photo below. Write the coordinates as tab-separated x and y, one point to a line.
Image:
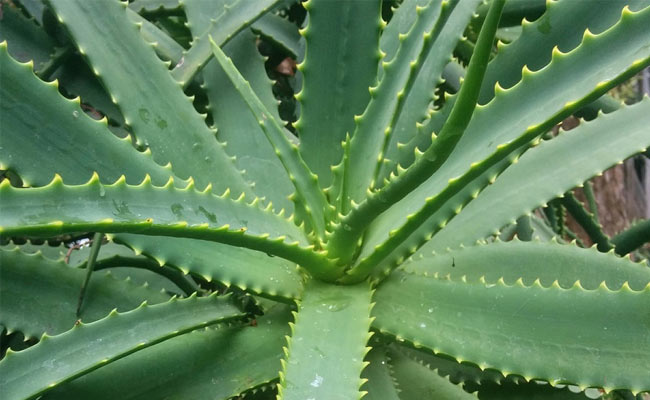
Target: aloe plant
363	250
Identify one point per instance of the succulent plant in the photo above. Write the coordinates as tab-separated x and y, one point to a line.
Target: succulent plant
364	249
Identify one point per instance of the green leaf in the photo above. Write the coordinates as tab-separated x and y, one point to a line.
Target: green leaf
400	23
305	182
39	295
237	126
328	343
153	104
151	210
145	271
281	32
237	15
215	363
576	155
84	348
632	238
36	147
26	40
152	6
533	390
489	384
546	261
342	65
586	220
379	383
253	271
374	126
356	222
494	133
416	380
166	47
591	338
416	106
562	26
243	268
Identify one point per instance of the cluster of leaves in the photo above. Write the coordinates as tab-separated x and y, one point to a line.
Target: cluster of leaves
395	230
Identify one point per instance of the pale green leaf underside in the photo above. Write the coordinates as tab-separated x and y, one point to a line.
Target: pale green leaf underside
216	363
328	343
84	348
39	295
587	337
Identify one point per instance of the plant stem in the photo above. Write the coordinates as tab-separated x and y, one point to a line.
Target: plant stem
94	251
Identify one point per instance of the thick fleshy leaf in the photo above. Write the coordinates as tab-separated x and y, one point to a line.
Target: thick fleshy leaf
576	155
236	126
546	261
379	380
36	147
591	338
341	65
236	16
563	25
84	348
146	209
39	295
308	193
325	353
416	380
152	103
27	41
432	204
215	363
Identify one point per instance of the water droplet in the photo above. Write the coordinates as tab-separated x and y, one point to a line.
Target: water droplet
430	310
423	325
318	380
347	227
102	191
75	114
207	159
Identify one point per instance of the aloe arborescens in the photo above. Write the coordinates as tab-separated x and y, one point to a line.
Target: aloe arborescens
365	236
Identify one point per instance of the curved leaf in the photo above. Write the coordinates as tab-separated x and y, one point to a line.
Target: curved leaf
40	295
591	338
215	363
152	102
44	133
576	155
305	182
58	359
547	261
152	210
